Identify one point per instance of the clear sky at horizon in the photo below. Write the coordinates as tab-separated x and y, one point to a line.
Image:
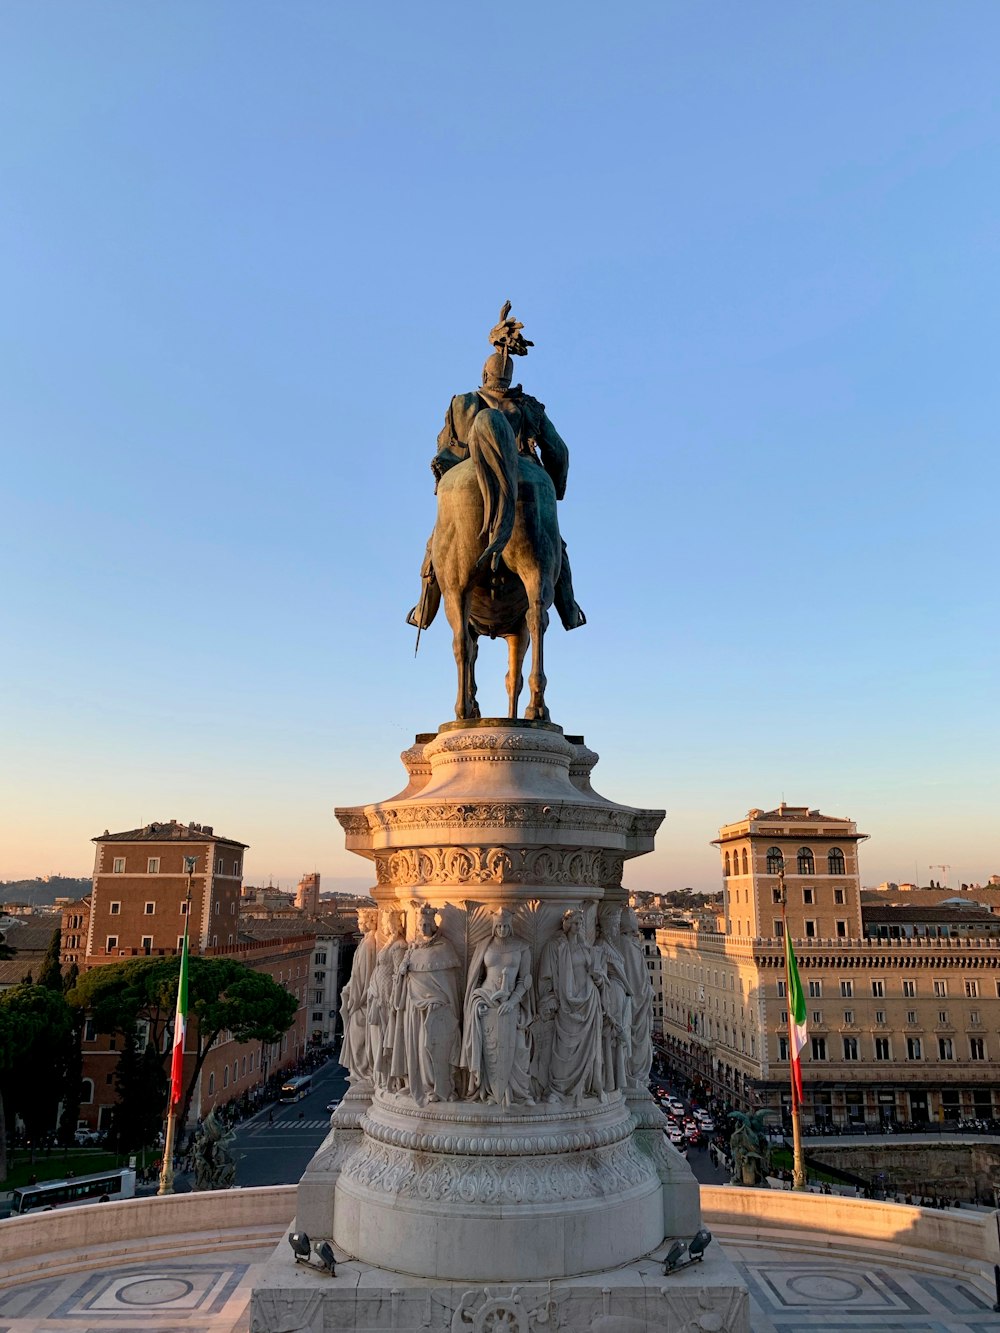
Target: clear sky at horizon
250	250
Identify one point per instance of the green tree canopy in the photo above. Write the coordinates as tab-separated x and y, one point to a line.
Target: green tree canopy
51	974
223	996
36	1038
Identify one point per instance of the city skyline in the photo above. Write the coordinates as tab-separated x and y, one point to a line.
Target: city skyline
250	256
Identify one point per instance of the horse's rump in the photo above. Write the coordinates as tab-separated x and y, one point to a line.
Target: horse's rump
498	604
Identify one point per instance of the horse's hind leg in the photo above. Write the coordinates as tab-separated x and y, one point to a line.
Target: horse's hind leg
517	646
537	619
465	648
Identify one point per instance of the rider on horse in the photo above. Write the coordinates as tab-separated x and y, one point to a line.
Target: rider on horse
532	429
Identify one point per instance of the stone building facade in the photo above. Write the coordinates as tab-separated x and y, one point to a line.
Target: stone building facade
903	1014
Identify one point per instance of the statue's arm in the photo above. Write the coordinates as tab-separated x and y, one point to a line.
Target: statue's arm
554	454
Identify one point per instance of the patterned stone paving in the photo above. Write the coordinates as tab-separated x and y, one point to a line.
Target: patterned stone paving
789	1294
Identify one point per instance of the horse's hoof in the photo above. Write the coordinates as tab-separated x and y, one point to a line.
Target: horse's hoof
537	714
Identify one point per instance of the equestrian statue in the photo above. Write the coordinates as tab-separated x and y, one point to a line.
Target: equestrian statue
495	557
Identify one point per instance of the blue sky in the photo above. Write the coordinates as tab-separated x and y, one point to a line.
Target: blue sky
250	250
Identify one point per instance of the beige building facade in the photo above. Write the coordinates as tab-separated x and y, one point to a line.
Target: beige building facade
903	1014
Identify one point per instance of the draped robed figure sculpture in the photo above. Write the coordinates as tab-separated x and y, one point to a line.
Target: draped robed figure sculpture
495	557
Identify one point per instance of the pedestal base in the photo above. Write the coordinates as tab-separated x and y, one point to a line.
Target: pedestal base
707	1297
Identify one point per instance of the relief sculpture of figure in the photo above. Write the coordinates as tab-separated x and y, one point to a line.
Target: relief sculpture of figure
639	983
570	980
426	1047
498	1010
381	1014
354	1054
616	1001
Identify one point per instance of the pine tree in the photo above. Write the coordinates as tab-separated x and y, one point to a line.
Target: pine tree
51	974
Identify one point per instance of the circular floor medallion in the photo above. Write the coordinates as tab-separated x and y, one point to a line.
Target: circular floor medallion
825	1287
154	1291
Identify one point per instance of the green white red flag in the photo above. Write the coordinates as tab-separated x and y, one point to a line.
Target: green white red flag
180	1022
796	1018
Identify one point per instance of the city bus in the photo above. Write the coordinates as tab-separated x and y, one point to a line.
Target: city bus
103	1188
295	1089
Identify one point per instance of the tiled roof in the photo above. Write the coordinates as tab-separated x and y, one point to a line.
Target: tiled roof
170	831
939	912
798	814
31	939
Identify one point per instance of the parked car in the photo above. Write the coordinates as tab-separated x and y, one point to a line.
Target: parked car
332	1106
86	1138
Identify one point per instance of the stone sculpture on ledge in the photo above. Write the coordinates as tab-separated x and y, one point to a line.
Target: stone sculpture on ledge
570	981
425	1052
355	1054
498	1014
640	987
382	1017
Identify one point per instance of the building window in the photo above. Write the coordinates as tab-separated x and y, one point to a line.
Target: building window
782	989
244	1066
946	1050
913	1051
725	869
317	997
882	1048
841	930
782	1048
974	1018
147	943
850	1048
236	869
218	866
211	1084
184	907
847	990
319	976
817	1018
977	1048
111	944
218	907
807	897
115	909
940	989
878	989
849	1017
225	1077
150	908
819	1048
810	930
879	1015
838	897
118	866
943	1016
180	943
910	989
779	926
804	862
815	990
835	861
215	941
153	866
971	989
911	1015
317	1016
88	1030
775	861
775	895
86	1092
743	857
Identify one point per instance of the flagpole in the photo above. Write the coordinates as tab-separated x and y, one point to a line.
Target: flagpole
798	1167
167	1165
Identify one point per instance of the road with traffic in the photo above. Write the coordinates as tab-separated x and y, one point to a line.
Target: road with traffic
275	1146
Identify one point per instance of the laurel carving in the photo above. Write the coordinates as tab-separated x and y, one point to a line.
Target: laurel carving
490	1180
585	867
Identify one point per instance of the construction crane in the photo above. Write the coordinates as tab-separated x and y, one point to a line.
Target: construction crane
944	871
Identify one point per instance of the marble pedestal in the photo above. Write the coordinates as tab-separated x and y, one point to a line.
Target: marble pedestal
556	1189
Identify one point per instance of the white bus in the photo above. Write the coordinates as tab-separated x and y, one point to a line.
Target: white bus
295	1089
103	1187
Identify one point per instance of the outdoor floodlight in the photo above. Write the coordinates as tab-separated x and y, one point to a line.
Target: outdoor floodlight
324	1252
695	1249
301	1247
700	1242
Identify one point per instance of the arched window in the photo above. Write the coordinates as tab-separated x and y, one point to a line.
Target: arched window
225	1077
726	871
745	871
211	1084
86	1092
804	860
775	861
835	861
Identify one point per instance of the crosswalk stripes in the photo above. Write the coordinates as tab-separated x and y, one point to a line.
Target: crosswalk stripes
294	1123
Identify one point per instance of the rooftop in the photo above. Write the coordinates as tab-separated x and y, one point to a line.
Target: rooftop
170	831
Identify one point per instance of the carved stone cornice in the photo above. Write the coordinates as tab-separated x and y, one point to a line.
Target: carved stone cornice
586	867
513	1136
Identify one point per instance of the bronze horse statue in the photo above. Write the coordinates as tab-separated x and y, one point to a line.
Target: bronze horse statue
497	555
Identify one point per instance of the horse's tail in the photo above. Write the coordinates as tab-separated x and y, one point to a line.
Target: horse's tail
493	449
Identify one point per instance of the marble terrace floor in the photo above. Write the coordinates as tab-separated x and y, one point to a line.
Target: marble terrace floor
790	1292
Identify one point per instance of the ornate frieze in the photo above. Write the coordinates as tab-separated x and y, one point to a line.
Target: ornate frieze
448	865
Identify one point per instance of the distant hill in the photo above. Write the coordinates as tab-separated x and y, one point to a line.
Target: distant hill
44	891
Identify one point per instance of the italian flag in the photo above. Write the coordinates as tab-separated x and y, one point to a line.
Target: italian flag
796	1018
180	1022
